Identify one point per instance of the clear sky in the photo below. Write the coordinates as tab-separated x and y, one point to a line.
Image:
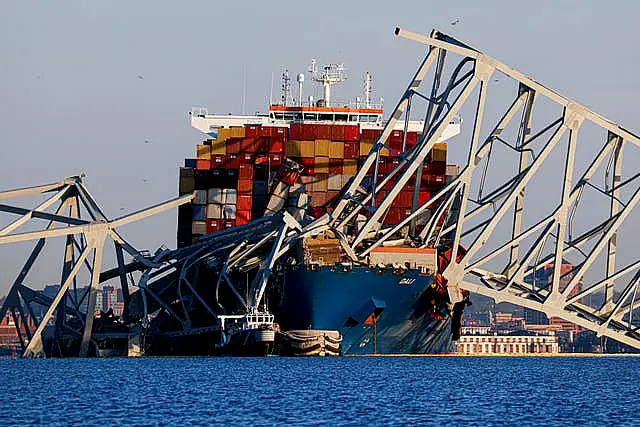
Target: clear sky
71	100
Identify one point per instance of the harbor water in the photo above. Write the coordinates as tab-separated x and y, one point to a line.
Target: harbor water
359	391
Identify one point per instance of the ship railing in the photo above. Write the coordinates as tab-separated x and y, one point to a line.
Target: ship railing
199	112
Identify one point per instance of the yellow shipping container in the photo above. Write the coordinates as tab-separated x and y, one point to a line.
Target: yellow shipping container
365	147
384	152
439	153
322	147
224	134
336	149
321	165
306	148
237	131
350	167
218	147
292	149
203	152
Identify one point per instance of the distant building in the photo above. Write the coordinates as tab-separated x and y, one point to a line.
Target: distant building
508	344
112	298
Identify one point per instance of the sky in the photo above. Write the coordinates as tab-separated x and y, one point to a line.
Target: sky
84	84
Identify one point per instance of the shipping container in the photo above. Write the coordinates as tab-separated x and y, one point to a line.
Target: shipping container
350	166
260	187
203	152
214	211
203	164
245	171
371	134
237	131
318	212
190	163
229	223
224	134
404	199
321	147
334	182
218	147
199	212
336	149
232	161
323	131
335	166
351	150
218	161
352	133
276	146
321	165
215	195
245	186
234	146
213	225
201	197
229	211
186	184
243	216
248	145
321	182
244	202
252	131
345	179
365	147
199	227
318	198
275	160
230	196
307	163
439	152
279	132
338	132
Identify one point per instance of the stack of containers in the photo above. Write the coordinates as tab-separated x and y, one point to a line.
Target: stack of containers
329	155
229	176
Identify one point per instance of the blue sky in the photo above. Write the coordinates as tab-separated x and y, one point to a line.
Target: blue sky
71	101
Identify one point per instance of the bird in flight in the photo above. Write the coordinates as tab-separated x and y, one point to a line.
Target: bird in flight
146	141
145	180
457	20
140	77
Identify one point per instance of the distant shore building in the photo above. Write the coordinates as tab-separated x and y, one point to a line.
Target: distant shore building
514	343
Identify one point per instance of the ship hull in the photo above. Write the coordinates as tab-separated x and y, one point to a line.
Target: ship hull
330	300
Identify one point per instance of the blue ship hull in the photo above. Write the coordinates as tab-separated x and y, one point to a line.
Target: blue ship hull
328	299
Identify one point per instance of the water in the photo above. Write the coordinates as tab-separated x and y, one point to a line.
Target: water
359	391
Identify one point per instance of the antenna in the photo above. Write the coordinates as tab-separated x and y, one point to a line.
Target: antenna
367	89
271	92
244	86
300	81
286	87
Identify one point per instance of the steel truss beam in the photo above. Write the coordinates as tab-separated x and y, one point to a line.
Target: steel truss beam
550	239
84	247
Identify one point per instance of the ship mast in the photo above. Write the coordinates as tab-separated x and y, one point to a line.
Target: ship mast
330	75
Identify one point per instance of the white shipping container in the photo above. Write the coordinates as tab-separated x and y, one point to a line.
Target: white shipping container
229	212
216	195
230	196
214	211
335	182
201	197
199	227
345	179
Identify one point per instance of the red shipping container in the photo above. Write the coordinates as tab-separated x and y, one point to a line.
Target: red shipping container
275	160
323	132
392	163
423	196
380	195
246	171
307	163
335	166
229	224
247	145
266	131
370	134
394	215
244	202
262	144
309	132
318	198
247	158
318	212
233	161
213	225
234	146
337	132
404	199
396	136
243	217
279	133
296	131
352	133
245	186
412	138
351	150
203	164
218	161
252	131
276	146
396	146
437	168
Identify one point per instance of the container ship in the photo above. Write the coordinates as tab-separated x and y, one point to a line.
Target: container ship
298	157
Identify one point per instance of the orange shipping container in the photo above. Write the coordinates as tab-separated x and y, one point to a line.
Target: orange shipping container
350	167
203	164
245	186
322	147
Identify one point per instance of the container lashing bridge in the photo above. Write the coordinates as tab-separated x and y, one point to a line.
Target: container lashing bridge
540	187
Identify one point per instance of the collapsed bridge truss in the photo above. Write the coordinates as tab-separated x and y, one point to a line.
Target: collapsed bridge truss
545	186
